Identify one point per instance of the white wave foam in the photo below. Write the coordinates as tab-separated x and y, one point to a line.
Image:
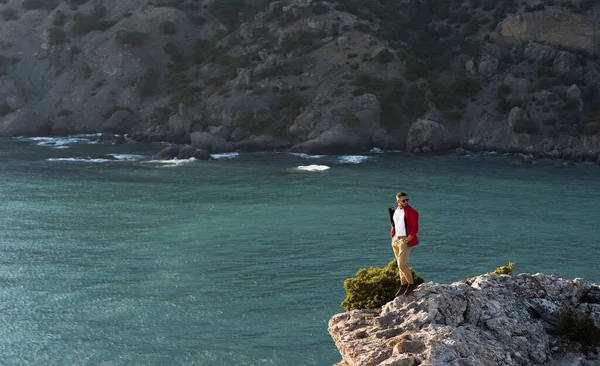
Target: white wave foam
61	142
306	156
377	150
312	168
128	157
352	159
172	162
87	160
231	155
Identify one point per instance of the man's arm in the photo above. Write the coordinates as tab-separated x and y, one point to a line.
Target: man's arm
413	218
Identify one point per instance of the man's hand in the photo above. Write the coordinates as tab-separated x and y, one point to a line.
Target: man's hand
409	238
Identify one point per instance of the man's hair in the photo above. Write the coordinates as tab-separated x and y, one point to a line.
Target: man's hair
400	194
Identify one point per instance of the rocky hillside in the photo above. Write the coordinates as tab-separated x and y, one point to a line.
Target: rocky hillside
315	77
486	320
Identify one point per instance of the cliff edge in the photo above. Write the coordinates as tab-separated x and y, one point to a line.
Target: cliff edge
486	320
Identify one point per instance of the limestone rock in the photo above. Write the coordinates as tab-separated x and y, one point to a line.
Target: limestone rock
223	132
517	85
553	25
486	320
262	143
167	153
359	114
424	132
63	126
338	140
573	93
488	65
243	79
24	122
179	125
516	114
211	143
539	52
182	152
470	68
565	63
120	122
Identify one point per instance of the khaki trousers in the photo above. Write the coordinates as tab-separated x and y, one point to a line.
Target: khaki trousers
401	250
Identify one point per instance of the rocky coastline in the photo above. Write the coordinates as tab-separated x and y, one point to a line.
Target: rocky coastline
307	76
486	320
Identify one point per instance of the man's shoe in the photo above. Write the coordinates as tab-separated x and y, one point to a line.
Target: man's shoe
401	290
409	289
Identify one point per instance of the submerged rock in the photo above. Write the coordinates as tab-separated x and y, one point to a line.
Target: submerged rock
486	320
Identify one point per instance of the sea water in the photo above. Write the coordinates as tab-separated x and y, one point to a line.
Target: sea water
108	257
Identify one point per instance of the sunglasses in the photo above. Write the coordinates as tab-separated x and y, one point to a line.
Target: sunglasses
406	200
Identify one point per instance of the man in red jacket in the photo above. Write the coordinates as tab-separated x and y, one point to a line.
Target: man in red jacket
405	225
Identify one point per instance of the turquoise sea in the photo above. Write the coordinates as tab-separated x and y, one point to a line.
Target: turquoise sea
122	260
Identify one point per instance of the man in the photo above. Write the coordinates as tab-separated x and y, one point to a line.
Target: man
405	225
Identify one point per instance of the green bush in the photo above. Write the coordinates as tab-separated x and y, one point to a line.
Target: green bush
508	269
10	14
38	4
503	90
504	105
131	38
188	95
320	8
526	126
63	113
374	287
148	84
168	27
75	3
351	119
227	11
5	109
85	23
470	47
87	72
110	111
202	50
59	19
173	51
296	40
57	36
466	86
249	122
385	56
370	83
289	103
160	115
415	102
415	68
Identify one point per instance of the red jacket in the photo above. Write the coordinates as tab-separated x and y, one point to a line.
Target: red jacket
411	221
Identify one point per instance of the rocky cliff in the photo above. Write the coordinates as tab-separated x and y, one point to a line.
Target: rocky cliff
310	76
486	320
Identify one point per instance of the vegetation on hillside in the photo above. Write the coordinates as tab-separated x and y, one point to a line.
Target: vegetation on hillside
430	41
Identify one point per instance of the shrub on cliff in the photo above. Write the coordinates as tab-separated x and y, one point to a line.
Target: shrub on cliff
131	38
85	23
374	287
37	4
10	14
526	126
508	269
